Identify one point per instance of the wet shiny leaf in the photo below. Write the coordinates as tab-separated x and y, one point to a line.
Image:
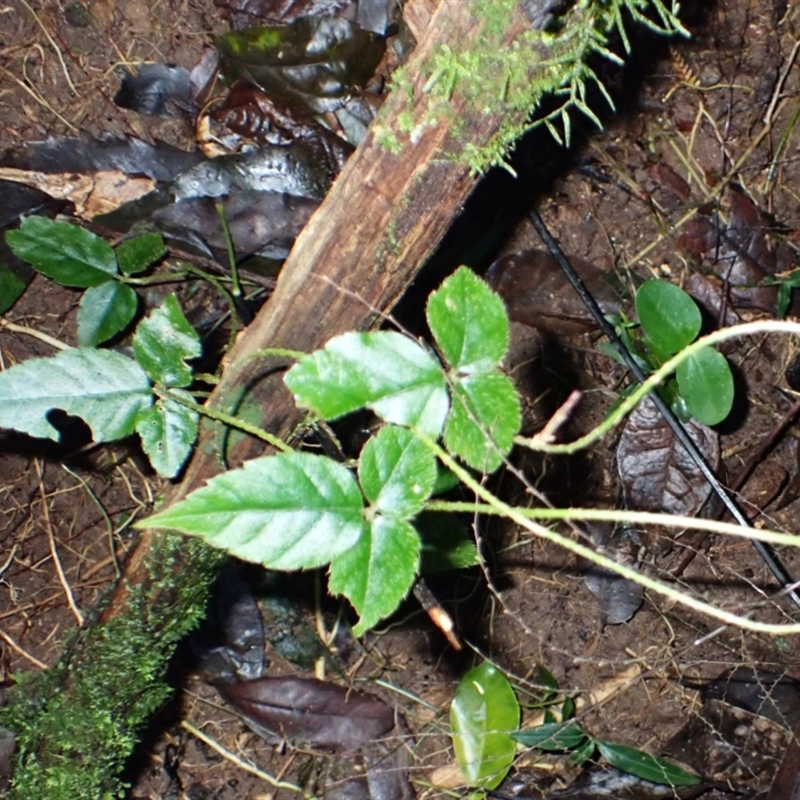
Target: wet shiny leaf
483	714
315	712
314	61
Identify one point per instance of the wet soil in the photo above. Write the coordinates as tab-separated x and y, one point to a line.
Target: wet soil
695	117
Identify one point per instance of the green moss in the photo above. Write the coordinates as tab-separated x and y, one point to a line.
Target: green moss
77	723
510	79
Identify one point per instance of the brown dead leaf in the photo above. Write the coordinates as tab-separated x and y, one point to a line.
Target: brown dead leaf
322	714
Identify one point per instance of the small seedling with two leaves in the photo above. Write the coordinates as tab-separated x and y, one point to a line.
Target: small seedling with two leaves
669	321
484	718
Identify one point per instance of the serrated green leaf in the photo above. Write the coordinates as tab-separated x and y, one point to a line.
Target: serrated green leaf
397	472
669	317
483	713
104	311
138	253
645	766
289	511
552	737
384	371
706	384
164	341
483	420
102	387
66	253
377	572
469	322
168	431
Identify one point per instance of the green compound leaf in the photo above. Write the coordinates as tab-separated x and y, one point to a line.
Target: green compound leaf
469	322
483	421
397	472
289	511
105	389
164	341
104	311
706	384
66	253
483	713
137	254
168	431
669	317
645	766
552	736
377	572
384	371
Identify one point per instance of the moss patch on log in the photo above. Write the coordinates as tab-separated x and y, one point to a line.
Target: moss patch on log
78	723
511	74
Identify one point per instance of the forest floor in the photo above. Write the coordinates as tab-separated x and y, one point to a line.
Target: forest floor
705	136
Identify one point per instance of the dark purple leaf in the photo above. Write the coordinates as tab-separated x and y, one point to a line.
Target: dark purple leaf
536	293
657	473
314	63
321	714
161	162
230	643
250	112
159	90
372	15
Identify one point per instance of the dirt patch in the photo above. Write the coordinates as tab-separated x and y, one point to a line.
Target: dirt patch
716	110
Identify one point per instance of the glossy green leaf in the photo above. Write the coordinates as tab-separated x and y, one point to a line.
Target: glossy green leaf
389	373
140	252
314	62
66	253
378	571
469	322
706	384
554	736
104	311
168	431
669	317
164	341
483	421
397	472
645	766
105	389
289	511
483	713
